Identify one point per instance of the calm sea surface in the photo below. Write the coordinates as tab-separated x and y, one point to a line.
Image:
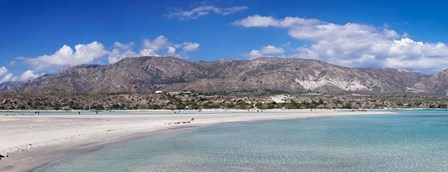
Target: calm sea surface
407	141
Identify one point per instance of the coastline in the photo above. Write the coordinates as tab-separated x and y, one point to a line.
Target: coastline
47	137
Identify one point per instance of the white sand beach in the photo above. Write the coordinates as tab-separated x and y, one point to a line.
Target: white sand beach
25	137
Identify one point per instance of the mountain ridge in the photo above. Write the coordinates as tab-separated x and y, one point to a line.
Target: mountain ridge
261	75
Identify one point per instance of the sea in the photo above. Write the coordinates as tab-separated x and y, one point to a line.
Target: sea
409	140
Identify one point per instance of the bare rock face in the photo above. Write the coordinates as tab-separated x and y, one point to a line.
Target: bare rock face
262	75
13	86
437	84
397	80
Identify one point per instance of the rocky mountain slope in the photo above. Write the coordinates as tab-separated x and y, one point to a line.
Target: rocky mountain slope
10	86
148	74
437	84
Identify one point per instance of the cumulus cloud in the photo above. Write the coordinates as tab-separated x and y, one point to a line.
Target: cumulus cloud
357	45
3	70
153	47
266	51
203	11
28	75
6	76
121	51
161	46
95	52
67	56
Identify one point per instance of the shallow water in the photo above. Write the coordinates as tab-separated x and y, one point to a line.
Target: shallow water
408	141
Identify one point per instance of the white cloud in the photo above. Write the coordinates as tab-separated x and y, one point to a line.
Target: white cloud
151	47
268	21
66	56
28	75
258	21
95	52
3	70
89	53
270	49
6	76
205	10
171	50
190	46
121	51
266	51
357	45
161	46
161	42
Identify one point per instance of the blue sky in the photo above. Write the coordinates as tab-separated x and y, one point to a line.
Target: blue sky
39	37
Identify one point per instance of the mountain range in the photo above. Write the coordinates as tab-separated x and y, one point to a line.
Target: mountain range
261	75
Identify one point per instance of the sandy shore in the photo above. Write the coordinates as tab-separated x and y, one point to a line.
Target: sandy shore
31	140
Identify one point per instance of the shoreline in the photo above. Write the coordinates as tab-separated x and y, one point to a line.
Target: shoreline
76	134
30	160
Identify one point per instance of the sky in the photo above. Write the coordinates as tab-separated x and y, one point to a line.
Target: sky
46	36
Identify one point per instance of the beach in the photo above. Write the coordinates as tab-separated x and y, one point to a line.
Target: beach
31	140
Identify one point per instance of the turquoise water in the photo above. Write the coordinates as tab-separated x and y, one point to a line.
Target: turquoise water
408	141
